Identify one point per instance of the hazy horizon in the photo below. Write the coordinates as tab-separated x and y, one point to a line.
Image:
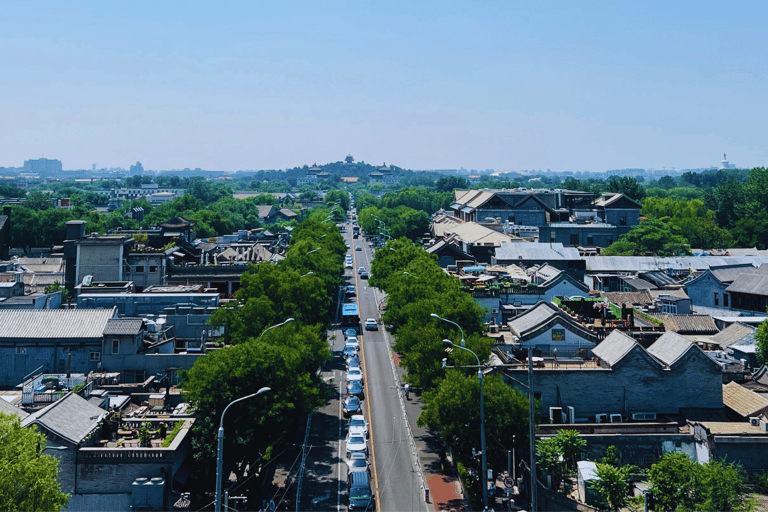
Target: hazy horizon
428	85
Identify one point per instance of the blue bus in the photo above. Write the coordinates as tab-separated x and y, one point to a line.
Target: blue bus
350	318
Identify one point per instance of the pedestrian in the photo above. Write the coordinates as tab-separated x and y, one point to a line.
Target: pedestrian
407	391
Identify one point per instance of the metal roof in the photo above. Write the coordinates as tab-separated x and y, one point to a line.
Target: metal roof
613	348
509	251
71	418
123	326
54	323
669	348
651	263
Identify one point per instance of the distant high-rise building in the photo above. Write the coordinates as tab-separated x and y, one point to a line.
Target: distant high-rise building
43	166
137	169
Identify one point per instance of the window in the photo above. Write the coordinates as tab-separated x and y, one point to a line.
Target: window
115	346
725	299
590	240
574	239
622	221
153	269
21	350
717	299
139	269
94	356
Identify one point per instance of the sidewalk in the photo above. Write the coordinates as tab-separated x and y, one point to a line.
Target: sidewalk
445	492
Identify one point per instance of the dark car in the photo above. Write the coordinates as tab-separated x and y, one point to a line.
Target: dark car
350	333
364	274
355	388
348	352
351	289
351	405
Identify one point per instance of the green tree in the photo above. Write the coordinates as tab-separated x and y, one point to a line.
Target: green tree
679	483
57	287
37	201
451	183
611	485
338	196
453	410
761	335
626	185
284	359
656	236
28	477
675	482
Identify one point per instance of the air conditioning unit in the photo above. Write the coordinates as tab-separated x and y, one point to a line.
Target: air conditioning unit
601	418
764	425
556	415
615	418
571	414
493	329
643	416
754	421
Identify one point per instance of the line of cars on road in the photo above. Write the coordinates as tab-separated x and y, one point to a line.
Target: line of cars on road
356	443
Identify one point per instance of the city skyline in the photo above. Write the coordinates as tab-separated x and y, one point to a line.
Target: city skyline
427	86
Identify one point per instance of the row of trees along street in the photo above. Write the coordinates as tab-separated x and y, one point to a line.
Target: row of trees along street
286	359
416	288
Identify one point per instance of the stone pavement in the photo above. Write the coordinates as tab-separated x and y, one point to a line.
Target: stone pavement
445	491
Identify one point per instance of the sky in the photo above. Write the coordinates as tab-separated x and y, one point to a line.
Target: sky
507	85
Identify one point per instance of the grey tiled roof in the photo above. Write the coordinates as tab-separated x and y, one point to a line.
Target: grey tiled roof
670	347
613	348
754	284
123	326
687	324
728	275
732	334
71	418
7	408
532	318
54	323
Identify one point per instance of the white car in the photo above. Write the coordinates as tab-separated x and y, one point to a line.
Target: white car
360	270
355	443
349	264
353	341
371	325
357	462
358	425
355	373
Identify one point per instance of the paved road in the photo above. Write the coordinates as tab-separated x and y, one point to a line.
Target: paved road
397	476
321	483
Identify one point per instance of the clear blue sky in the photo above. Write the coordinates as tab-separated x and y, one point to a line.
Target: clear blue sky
506	85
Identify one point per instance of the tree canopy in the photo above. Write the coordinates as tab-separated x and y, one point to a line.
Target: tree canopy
28	475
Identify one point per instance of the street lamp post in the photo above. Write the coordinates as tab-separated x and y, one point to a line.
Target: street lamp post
220	452
307	274
484	461
287	321
463	343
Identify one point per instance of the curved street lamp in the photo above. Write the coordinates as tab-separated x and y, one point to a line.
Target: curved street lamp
307	274
484	478
220	451
463	343
287	321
